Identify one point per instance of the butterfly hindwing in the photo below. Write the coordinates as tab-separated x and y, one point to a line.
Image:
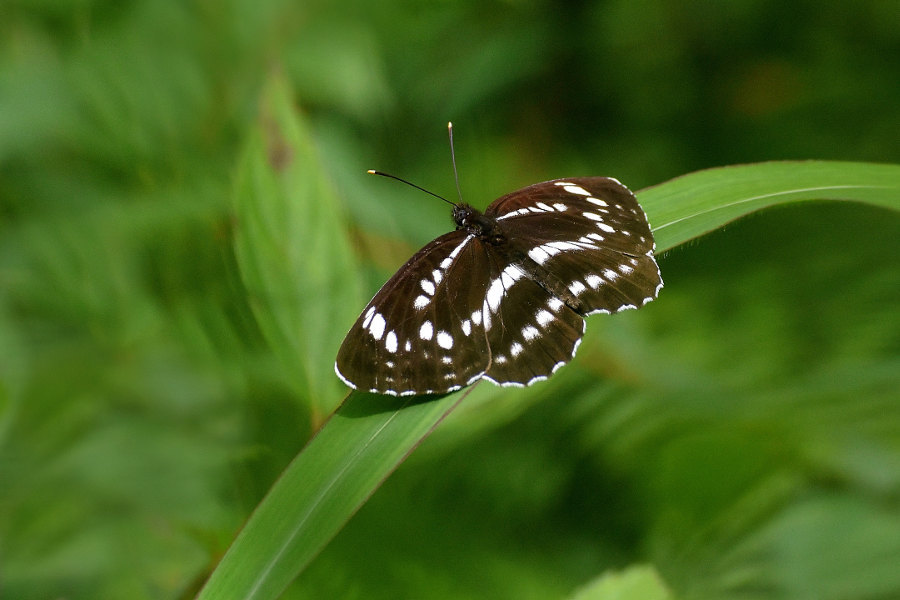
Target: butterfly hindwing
422	332
531	333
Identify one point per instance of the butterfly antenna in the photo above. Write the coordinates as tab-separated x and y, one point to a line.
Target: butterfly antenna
374	172
453	159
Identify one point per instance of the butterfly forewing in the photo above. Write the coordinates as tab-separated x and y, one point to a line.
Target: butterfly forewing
422	333
585	238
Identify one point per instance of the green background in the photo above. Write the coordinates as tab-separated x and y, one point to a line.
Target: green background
741	434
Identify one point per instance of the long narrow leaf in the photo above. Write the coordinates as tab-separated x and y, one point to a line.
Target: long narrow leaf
330	479
291	247
687	207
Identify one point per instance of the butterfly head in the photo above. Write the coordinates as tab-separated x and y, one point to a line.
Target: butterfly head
477	223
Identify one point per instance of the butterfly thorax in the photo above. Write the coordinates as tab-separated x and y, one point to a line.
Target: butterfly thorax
489	231
477	223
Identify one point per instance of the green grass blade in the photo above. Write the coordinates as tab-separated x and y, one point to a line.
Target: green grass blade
370	435
639	582
292	247
329	480
687	207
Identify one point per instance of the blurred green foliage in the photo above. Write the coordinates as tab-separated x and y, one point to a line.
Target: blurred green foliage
742	434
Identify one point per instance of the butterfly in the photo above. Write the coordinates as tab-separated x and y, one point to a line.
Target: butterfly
504	296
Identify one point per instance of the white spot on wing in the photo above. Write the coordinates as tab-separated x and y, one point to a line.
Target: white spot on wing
595	281
510	275
538	255
376	327
625	269
467	327
369	314
576	287
494	294
444	340
426	330
498	287
576	189
390	342
458	249
596	201
562	246
515	213
606	228
560	207
610	274
516	349
554	304
529	333
427	286
543	317
592	216
421	302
